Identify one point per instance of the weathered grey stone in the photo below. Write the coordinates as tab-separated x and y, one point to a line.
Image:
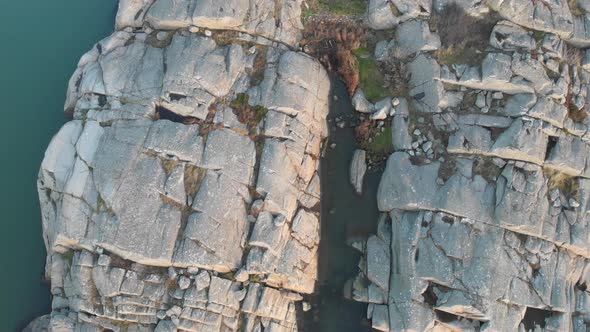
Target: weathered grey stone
524	140
266	19
380	15
165	326
568	156
488	121
267	235
414	36
533	71
496	69
519	104
548	110
360	102
470	140
425	88
306	229
175	139
200	244
509	36
358	167
230	153
276	179
399	129
378	262
553	17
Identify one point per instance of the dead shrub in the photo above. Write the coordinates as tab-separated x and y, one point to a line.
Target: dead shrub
362	132
332	41
573	56
348	69
575	8
258	67
576	114
248	115
396	77
566	183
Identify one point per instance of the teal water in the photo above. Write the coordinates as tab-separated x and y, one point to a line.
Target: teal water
345	215
42	41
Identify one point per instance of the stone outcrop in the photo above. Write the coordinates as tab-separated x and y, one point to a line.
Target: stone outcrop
488	232
262	21
358	168
183	194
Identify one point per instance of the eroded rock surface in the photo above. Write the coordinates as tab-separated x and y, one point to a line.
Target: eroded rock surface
183	194
490	230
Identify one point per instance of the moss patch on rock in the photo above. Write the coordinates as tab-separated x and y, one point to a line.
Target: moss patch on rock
371	78
334	7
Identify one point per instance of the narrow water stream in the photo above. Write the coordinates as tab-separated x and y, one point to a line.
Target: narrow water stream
345	215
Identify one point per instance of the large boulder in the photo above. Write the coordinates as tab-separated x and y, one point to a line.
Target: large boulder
147	194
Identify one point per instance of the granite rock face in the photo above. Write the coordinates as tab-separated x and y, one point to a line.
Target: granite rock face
264	21
166	204
490	231
184	193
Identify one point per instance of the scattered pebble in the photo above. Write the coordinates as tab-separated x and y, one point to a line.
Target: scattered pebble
184	282
162	35
498	95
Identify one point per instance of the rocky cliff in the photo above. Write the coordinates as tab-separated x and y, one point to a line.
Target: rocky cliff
485	196
184	194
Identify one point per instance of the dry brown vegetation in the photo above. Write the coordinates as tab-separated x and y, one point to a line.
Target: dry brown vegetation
362	131
257	73
248	115
573	56
168	165
348	69
193	177
567	184
464	38
575	8
485	167
333	40
396	77
576	114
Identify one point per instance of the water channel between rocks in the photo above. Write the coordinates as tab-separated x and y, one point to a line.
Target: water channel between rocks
345	215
